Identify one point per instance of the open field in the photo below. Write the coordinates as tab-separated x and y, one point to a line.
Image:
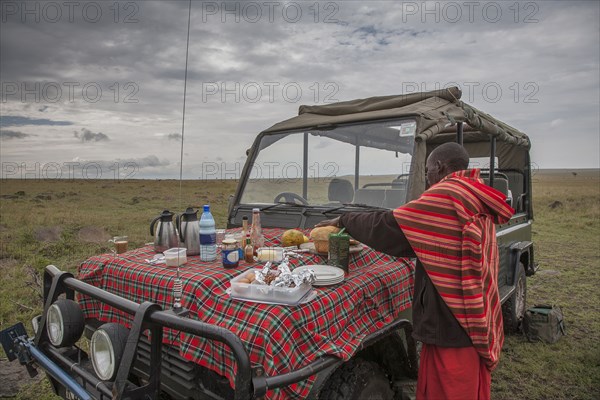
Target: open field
64	222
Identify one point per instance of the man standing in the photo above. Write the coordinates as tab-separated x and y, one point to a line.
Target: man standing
456	307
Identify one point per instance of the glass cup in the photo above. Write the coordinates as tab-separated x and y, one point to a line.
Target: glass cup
220	235
120	243
240	239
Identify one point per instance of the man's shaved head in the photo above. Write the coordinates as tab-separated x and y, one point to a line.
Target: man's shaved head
453	155
445	159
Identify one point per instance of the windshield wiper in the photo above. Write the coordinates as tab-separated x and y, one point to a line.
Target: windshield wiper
330	210
362	205
280	203
346	205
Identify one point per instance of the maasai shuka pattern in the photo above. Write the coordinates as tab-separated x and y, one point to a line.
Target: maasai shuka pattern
451	229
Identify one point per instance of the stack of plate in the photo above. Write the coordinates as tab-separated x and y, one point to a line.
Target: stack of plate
326	274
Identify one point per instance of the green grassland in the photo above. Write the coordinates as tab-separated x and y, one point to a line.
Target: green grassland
64	222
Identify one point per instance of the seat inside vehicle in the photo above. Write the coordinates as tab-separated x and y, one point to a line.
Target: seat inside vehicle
400	183
515	182
340	190
371	197
516	186
394	198
501	184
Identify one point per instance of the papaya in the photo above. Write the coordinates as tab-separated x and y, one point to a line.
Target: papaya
292	237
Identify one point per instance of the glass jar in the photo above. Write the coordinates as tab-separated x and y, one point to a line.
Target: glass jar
230	253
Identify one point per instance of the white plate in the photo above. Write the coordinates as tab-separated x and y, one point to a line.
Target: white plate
320	283
325	274
323	271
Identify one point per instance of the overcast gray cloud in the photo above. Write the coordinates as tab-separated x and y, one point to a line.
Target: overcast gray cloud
120	72
136	163
88	136
6	134
80	168
18	120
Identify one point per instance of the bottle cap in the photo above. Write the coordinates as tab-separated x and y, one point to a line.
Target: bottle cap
206	207
245	218
254	210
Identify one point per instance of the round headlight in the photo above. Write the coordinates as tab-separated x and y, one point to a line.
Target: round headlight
54	325
64	323
106	349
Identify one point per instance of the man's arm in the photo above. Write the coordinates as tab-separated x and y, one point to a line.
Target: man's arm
376	229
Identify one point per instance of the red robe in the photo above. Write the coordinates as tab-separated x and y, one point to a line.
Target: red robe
451	229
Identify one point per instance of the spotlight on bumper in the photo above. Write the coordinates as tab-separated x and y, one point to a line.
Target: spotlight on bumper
106	349
64	323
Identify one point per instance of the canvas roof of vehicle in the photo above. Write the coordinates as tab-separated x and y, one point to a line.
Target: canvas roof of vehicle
434	110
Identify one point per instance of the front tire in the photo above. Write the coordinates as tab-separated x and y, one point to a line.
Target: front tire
513	309
357	379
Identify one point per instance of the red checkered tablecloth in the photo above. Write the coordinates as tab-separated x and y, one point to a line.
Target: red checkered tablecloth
278	338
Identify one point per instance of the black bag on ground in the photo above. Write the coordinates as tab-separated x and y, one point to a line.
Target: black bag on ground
543	323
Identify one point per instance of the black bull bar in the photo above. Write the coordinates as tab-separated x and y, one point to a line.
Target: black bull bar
249	383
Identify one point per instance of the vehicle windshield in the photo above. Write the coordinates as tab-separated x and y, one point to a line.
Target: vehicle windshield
365	163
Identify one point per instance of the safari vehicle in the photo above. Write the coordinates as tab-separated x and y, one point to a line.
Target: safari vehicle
371	153
366	154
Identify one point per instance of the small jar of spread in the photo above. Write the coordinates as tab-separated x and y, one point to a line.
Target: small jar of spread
230	253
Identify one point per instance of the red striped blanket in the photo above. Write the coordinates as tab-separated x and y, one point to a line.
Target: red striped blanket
451	229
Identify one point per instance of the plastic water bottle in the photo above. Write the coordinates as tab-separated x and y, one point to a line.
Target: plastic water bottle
208	236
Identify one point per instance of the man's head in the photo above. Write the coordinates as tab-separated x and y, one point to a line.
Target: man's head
445	159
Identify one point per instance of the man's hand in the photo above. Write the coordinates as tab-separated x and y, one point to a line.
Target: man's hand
329	222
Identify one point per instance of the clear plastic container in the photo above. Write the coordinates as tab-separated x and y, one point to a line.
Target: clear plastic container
175	256
257	292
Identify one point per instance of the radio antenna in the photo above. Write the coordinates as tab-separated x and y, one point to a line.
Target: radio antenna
187	52
178	284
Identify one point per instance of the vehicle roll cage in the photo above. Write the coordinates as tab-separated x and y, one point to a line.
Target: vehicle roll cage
459	140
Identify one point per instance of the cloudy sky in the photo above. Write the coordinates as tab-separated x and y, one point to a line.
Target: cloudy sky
99	85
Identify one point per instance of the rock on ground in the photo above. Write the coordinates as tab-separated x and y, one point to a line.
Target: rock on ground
93	234
13	376
48	234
